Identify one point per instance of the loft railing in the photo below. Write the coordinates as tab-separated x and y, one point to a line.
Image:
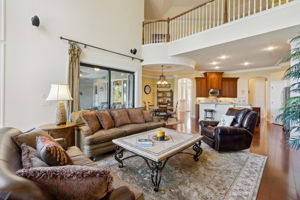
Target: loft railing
203	17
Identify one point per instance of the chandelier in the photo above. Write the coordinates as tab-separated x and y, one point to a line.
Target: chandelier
162	78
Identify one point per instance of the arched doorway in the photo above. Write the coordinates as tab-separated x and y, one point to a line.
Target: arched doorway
184	94
257	93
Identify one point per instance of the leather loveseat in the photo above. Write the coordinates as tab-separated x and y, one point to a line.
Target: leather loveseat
93	144
13	187
238	136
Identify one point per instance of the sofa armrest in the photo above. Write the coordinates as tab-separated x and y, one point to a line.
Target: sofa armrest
62	142
205	123
121	193
85	130
224	130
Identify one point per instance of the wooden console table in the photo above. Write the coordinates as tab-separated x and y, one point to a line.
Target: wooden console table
66	131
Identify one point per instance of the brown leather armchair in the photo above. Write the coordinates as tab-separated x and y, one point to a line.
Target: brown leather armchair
13	187
236	137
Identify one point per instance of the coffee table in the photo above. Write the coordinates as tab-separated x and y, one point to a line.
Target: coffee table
158	155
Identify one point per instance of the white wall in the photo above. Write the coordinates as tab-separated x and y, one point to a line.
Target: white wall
36	57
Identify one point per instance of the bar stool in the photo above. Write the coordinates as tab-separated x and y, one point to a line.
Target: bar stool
209	114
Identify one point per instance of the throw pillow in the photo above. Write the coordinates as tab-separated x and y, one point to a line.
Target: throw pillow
30	157
29	138
71	182
120	117
148	116
51	152
226	120
91	121
105	119
136	116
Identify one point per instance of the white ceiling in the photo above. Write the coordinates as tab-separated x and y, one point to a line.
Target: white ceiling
158	9
167	68
246	50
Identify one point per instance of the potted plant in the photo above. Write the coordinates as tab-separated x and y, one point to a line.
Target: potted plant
290	114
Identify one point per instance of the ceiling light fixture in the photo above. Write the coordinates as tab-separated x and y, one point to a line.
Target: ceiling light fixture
270	48
246	63
214	63
223	57
162	78
96	69
217	67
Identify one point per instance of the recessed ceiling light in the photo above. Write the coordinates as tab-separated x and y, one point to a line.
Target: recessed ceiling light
217	67
214	63
270	48
223	57
96	69
246	63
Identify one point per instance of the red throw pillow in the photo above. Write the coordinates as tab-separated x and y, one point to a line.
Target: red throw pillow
51	152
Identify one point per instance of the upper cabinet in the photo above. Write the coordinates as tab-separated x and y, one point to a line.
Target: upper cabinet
201	87
214	80
229	87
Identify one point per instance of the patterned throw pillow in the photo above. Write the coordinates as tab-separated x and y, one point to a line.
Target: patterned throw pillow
71	182
91	121
226	120
30	157
51	152
29	138
120	117
105	119
136	116
148	116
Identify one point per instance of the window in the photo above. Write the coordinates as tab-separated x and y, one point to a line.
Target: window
103	88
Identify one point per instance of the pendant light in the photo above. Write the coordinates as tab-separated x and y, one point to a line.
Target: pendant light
162	77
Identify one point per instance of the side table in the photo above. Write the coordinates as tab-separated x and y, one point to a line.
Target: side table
66	131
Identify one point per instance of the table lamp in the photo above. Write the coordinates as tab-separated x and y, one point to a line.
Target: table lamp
60	93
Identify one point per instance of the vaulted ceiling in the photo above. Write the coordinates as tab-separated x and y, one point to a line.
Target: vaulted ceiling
158	9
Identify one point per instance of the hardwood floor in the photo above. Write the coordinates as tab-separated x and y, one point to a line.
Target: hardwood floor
281	178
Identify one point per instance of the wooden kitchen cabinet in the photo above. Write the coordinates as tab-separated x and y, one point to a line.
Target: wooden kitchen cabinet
201	87
214	80
229	87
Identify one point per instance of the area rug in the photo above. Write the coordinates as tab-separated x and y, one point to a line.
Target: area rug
216	176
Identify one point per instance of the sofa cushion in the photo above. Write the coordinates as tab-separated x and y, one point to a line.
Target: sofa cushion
91	121
133	128
78	158
51	152
147	116
29	138
120	117
136	116
239	114
30	157
105	119
71	182
208	131
154	125
104	136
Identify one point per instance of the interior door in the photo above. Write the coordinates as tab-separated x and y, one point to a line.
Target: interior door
276	99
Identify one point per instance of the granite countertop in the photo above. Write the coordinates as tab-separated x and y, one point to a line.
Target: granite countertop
225	103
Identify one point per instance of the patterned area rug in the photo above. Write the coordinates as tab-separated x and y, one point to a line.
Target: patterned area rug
216	176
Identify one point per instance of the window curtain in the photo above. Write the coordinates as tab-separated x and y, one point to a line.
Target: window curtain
74	76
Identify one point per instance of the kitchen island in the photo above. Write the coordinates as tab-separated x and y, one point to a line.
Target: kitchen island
220	109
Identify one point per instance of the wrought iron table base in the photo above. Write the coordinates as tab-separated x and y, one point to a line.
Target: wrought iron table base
155	167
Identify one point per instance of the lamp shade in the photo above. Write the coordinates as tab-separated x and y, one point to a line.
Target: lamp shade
59	93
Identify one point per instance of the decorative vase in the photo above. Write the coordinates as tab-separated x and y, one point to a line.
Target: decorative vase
61	116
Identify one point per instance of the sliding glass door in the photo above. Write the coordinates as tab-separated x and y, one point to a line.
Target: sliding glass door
103	88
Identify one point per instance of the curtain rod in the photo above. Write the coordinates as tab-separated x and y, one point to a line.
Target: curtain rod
110	51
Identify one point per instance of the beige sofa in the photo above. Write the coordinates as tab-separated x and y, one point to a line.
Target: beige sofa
101	141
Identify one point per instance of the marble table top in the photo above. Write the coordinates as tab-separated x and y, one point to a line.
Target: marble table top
161	149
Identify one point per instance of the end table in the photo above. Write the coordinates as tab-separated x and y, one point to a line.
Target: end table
66	131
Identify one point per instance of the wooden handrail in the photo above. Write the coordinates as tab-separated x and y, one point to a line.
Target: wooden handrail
201	5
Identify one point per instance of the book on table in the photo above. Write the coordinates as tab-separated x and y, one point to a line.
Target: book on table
144	143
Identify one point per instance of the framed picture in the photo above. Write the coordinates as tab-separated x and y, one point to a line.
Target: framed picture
147	89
